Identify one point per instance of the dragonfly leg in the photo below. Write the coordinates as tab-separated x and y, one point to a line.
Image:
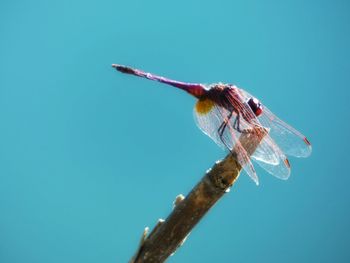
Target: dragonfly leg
236	124
222	128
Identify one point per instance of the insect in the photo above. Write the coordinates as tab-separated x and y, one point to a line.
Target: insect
224	112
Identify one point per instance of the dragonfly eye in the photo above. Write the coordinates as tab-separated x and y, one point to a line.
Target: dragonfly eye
255	106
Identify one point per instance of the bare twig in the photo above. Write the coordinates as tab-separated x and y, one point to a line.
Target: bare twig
168	235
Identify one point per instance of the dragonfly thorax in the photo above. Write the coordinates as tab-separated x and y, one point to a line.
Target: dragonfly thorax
255	106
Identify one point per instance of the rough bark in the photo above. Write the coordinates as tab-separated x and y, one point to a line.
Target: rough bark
170	234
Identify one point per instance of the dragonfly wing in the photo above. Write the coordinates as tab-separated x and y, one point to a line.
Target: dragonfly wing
289	140
209	120
268	154
243	157
209	117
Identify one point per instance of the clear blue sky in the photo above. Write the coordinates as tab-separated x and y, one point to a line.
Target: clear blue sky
89	157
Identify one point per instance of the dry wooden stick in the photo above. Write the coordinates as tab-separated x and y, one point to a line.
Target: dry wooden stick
168	235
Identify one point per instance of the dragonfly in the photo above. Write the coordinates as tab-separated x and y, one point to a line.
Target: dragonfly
224	112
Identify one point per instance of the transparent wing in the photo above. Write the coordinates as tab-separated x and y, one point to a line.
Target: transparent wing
209	118
272	159
289	140
268	154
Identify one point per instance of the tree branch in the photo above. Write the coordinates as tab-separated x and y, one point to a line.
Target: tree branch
170	234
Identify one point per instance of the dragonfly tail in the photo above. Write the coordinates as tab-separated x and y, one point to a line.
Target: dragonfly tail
195	89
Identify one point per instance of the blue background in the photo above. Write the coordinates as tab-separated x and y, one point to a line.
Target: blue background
89	157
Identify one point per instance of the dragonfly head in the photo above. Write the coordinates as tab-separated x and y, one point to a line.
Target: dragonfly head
255	106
